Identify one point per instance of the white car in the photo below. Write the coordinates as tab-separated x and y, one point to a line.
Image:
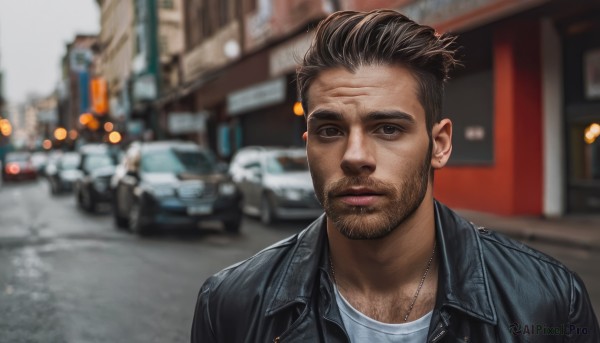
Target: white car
275	182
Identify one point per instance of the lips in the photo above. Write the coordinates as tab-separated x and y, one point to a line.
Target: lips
359	196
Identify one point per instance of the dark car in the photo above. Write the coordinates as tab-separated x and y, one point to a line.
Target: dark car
63	172
172	184
275	182
97	166
18	166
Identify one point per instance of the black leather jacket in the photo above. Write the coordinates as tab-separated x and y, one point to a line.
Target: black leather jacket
491	289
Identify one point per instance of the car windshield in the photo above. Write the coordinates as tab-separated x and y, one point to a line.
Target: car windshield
95	161
69	162
17	157
177	161
279	164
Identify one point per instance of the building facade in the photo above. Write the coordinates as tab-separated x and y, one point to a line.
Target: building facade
525	106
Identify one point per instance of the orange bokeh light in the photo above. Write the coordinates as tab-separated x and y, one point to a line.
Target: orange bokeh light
114	137
108	126
60	133
85	118
298	110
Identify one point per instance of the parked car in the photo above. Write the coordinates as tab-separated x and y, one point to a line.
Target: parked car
96	166
171	183
62	172
276	183
39	159
18	166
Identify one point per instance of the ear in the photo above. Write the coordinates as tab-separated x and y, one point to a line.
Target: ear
441	134
304	136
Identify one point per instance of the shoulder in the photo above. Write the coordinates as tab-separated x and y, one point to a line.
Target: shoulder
500	249
237	292
535	283
243	292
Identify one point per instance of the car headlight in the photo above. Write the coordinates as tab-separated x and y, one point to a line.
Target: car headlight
288	193
162	191
227	188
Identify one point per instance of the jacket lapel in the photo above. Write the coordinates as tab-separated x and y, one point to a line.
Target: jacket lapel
296	283
463	278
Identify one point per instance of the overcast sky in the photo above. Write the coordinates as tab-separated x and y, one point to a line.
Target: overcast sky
33	34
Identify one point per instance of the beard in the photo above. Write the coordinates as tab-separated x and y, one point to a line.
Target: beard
375	222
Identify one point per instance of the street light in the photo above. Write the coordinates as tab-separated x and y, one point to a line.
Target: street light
60	133
85	118
114	137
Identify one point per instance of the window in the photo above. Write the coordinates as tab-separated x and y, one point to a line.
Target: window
167	4
163	45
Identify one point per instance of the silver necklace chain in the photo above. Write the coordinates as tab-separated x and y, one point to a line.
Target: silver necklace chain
414	299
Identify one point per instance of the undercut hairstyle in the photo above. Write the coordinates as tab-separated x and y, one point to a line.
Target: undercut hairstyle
352	39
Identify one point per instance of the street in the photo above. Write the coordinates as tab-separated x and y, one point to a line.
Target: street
69	276
75	278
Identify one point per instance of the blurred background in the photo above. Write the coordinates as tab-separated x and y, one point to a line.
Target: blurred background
146	144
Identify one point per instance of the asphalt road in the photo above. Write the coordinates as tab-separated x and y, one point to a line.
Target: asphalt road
68	276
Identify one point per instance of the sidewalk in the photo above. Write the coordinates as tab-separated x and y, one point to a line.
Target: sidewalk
581	231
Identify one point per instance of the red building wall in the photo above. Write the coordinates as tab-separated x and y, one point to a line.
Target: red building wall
513	184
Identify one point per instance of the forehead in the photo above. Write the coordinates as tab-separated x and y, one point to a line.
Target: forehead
369	87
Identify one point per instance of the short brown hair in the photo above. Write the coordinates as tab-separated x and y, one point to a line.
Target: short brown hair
351	39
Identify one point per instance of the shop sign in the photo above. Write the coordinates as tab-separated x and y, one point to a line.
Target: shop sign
212	53
435	12
80	59
592	74
99	95
285	58
258	96
144	88
186	122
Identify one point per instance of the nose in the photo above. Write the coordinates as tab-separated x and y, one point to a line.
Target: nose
358	157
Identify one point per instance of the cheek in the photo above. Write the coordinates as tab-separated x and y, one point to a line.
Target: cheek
320	165
394	164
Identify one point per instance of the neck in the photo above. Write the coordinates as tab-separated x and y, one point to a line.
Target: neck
383	266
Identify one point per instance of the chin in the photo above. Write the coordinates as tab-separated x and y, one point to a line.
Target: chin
363	225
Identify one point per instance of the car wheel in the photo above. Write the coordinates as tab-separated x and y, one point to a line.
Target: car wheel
136	224
232	226
53	187
88	202
120	222
80	199
267	216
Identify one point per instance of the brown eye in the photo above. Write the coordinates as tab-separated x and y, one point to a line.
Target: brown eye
389	130
329	132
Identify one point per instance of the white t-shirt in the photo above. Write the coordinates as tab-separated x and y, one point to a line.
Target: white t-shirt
361	328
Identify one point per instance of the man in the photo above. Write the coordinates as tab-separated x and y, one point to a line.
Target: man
387	263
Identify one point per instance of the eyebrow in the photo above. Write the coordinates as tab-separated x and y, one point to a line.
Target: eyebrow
389	115
327	115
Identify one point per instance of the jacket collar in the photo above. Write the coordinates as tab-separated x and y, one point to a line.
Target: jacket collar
296	283
463	281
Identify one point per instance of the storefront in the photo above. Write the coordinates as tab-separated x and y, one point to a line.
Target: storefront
582	110
526	113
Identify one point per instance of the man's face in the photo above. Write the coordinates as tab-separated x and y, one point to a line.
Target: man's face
368	148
